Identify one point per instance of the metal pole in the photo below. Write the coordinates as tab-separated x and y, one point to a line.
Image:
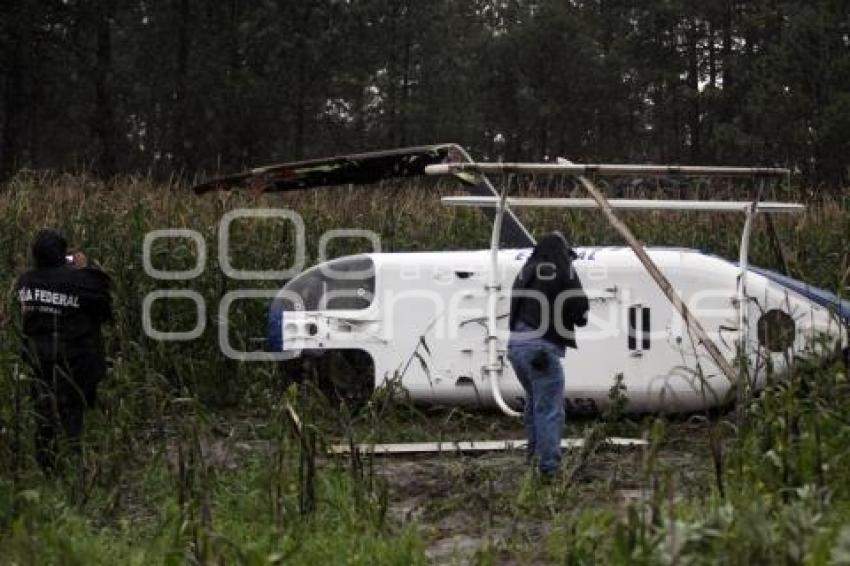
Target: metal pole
493	367
743	264
602	169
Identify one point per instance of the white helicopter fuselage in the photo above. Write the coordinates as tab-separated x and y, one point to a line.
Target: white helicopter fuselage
421	317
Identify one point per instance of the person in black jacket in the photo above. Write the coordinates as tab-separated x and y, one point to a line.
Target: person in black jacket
547	303
64	302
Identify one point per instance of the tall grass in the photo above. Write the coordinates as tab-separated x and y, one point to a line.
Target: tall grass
194	457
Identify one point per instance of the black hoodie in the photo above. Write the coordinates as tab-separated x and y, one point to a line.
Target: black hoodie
548	272
63	307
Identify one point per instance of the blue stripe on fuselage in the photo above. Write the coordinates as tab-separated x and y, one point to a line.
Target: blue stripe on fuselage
274	326
821	297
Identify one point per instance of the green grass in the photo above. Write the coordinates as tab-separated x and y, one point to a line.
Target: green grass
192	458
238	527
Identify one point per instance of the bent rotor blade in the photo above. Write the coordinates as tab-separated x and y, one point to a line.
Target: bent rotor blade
366	168
362	168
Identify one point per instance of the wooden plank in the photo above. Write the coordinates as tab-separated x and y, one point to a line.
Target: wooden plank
661	280
470	446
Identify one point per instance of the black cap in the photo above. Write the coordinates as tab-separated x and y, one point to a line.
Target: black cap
49	248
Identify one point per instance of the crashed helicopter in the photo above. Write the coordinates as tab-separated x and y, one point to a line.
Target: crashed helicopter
681	329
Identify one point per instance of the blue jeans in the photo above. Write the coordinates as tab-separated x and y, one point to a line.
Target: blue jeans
538	367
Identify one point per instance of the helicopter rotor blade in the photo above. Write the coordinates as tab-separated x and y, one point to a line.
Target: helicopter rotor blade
367	168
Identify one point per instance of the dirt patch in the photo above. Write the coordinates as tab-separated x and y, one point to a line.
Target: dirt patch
487	503
454	500
491	505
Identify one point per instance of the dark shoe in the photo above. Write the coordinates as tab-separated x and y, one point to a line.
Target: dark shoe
548	477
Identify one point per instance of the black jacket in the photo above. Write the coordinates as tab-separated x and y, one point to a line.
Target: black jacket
63	307
546	275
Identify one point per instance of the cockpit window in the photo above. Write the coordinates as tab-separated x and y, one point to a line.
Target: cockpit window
342	284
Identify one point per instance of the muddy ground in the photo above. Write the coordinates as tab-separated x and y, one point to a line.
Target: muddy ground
494	504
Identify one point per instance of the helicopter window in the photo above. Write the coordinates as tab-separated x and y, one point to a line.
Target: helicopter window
776	330
340	284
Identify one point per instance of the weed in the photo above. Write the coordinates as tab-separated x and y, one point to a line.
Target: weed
194	458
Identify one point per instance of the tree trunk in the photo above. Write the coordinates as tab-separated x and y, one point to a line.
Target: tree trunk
300	111
693	84
181	107
104	117
712	58
727	64
13	115
405	78
15	105
392	71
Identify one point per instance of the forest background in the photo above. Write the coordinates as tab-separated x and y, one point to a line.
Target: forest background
165	86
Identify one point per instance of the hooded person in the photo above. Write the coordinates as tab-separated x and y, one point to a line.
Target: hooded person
64	302
547	303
